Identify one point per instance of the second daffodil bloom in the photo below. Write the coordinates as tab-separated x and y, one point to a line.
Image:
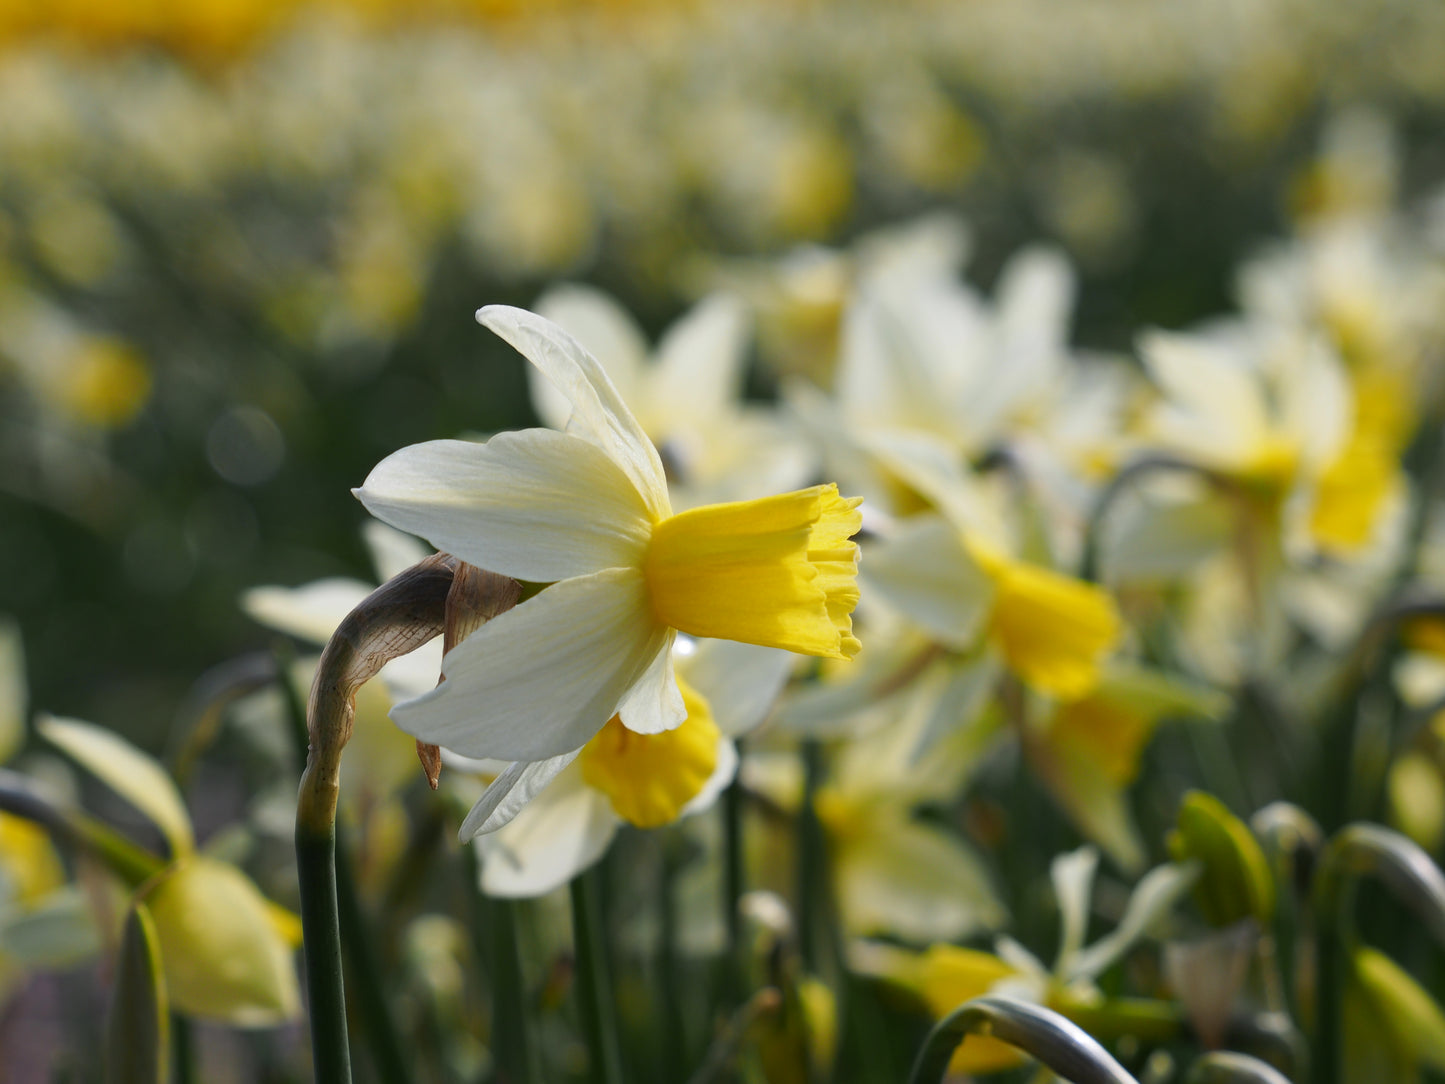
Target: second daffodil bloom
586	513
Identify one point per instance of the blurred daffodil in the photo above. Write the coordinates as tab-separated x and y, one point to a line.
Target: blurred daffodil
1276	415
226	950
958	575
896	871
687	397
42	921
945	976
646	780
587	514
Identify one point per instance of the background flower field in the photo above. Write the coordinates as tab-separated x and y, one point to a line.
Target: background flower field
1127	322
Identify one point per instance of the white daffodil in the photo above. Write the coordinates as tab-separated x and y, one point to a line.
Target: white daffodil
928	359
894	872
1274	412
687	396
969	580
945	976
586	513
646	780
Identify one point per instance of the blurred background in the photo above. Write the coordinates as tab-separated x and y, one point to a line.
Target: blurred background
241	241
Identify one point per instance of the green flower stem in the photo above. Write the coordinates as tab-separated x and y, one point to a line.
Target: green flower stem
495	942
396	618
734	883
357	937
1363	674
594	982
183	1052
1042	1033
321	923
812	891
1355	852
358	942
673	1039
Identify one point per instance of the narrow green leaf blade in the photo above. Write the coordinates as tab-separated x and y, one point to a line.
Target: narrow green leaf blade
137	1034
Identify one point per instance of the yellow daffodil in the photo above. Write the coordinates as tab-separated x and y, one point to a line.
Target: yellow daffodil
587	514
954	576
1273	411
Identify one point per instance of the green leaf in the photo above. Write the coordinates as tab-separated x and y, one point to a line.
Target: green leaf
224	957
1412	1017
12	690
137	1035
1236	882
59	932
129	772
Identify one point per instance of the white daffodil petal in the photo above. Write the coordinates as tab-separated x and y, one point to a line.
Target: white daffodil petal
926	574
887	377
536	505
699	370
507	794
484	767
739	681
310	612
599	414
1073	877
722	775
1221	402
555	838
415	673
1035	297
1318	405
918	883
392	551
605	329
542	679
654	703
1160	889
931	468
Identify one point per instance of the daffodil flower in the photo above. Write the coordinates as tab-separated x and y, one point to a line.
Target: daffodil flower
924	357
33	891
1273	410
646	780
586	513
687	396
894	872
958	575
945	976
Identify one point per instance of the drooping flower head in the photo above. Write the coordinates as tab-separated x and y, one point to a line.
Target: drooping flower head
586	513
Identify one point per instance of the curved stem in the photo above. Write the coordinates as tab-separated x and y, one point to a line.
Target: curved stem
396	618
1041	1033
1119	484
356	935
